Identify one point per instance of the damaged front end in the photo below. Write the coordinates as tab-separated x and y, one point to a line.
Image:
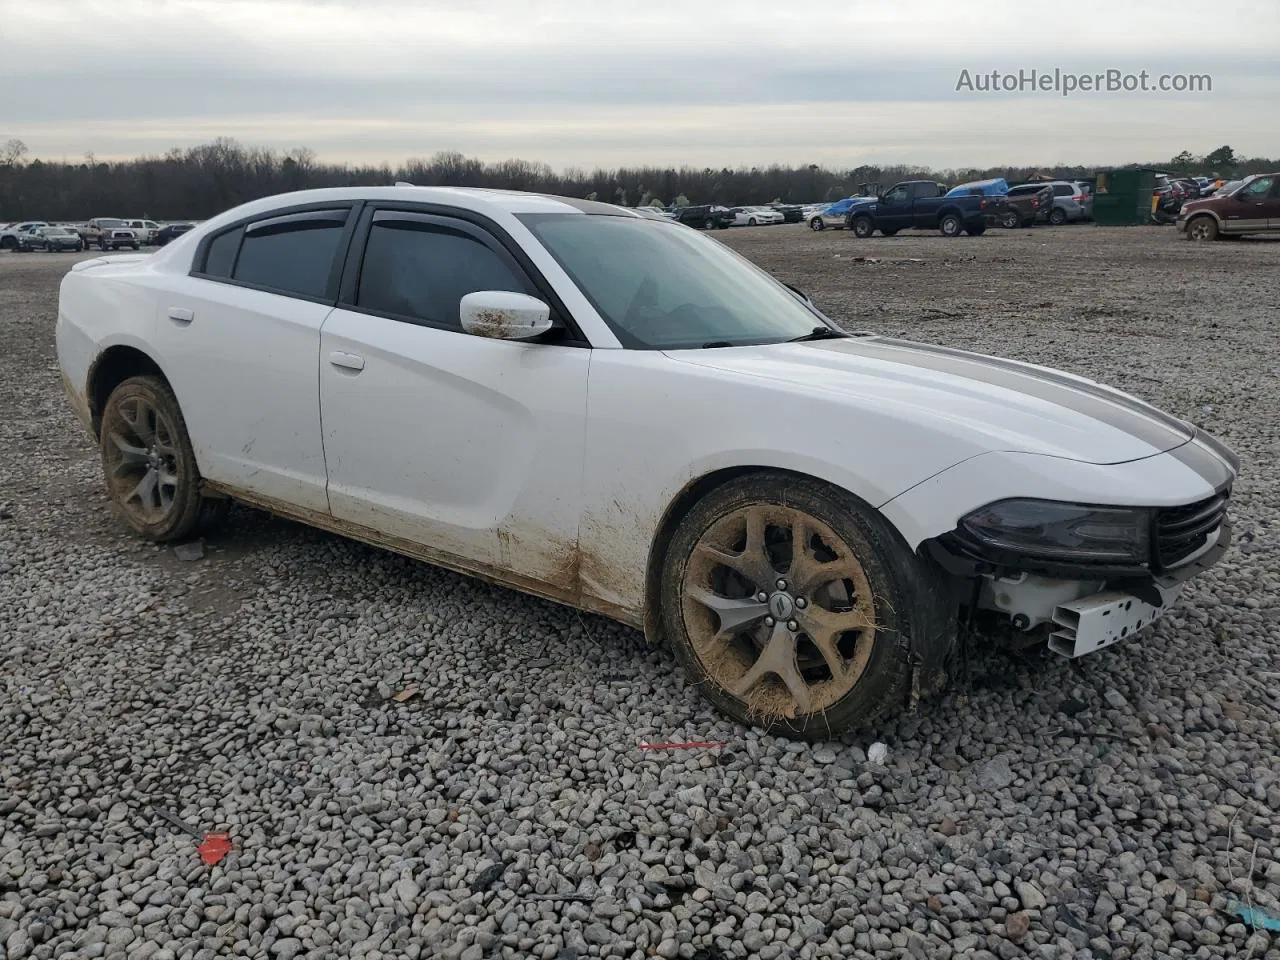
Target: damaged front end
1081	577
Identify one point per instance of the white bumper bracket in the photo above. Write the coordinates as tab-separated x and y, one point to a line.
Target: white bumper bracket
1103	619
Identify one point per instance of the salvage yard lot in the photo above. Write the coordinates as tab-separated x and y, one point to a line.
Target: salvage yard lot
1116	807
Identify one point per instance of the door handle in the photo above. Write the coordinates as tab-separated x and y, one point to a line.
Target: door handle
181	315
347	361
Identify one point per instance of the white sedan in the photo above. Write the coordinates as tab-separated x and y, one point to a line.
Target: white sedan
620	413
753	216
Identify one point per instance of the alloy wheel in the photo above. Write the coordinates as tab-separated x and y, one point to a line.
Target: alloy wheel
779	610
142	460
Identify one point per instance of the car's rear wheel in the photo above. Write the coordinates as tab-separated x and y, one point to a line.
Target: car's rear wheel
751	221
951	225
148	464
1057	216
1202	228
792	607
976	230
891	232
816	224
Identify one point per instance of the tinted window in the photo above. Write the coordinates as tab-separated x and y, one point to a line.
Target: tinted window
1063	190
422	270
1258	189
293	254
221	256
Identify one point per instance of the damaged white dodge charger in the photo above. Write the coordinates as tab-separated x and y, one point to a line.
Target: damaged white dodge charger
621	414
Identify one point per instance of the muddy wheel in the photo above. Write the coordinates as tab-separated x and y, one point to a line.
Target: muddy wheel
816	224
1009	220
792	607
1202	228
863	227
1057	216
148	463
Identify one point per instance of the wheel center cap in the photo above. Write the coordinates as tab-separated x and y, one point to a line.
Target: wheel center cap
781	606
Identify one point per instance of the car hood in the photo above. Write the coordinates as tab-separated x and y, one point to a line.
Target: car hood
992	403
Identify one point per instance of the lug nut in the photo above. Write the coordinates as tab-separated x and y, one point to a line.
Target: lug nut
782	584
761	597
793	625
769	621
801	602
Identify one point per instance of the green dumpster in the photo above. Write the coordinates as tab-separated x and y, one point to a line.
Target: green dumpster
1123	198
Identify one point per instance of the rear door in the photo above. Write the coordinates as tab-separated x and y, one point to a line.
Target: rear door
240	340
468	446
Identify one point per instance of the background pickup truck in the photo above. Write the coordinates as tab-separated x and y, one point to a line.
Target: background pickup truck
108	233
921	203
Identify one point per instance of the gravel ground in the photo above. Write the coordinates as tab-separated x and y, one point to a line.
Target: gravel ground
1113	808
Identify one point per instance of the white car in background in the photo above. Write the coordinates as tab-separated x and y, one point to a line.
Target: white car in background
622	414
756	216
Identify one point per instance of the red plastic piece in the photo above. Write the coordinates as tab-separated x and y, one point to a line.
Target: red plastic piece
214	847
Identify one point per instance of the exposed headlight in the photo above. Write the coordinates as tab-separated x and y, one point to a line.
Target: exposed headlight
1063	531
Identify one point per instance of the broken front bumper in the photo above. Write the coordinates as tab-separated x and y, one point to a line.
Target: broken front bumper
1089	624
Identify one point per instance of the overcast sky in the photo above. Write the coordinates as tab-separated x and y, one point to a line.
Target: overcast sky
600	82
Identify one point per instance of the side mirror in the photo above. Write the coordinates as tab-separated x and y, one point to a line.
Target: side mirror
503	315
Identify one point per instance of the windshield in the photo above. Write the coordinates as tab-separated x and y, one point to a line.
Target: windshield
664	286
56	231
111	223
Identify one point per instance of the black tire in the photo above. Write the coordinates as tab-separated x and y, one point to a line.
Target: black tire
188	508
1057	216
134	246
950	225
9	243
1202	228
976	231
909	611
1009	220
817	225
862	227
891	232
751	221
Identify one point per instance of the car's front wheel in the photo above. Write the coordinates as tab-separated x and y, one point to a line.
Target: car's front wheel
792	607
816	224
148	463
863	227
1202	228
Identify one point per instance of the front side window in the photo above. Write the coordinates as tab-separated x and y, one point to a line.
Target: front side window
420	270
1258	189
293	254
896	195
663	286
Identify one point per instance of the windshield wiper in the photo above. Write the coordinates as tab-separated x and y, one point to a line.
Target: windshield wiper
820	333
716	343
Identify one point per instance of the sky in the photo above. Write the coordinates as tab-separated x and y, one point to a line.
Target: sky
586	83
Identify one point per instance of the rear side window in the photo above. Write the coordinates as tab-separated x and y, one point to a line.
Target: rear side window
1063	190
220	258
292	254
420	270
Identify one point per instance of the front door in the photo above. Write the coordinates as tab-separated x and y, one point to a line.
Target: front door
1251	209
893	212
468	447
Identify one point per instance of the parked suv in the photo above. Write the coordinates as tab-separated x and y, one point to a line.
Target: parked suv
1071	202
1253	207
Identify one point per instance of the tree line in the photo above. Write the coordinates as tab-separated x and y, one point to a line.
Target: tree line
200	181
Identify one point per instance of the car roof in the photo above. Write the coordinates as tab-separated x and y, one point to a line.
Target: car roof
476	199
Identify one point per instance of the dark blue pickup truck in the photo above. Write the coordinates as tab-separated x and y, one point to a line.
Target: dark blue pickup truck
921	203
